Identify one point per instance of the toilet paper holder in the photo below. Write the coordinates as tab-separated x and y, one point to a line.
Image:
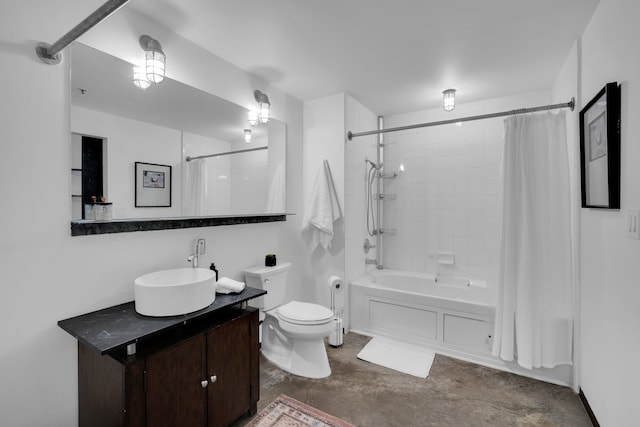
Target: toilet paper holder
336	336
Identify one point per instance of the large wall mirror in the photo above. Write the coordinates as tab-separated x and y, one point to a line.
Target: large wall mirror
204	164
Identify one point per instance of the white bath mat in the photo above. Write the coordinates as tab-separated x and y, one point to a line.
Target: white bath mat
397	355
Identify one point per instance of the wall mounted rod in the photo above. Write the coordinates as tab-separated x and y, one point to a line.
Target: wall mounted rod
570	104
225	153
50	53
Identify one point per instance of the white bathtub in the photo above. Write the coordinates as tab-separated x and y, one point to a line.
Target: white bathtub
445	314
452	317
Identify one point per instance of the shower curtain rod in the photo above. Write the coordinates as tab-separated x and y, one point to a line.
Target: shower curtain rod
50	53
226	153
571	104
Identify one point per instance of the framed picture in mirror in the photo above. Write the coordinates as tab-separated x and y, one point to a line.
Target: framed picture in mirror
153	185
600	149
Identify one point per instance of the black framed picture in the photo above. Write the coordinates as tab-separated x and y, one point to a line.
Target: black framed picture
153	185
600	149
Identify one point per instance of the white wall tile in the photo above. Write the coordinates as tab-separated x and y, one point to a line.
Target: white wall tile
447	198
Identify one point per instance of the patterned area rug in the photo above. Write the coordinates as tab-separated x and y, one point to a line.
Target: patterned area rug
288	412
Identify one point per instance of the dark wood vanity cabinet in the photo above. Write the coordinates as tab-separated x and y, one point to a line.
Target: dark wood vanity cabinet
204	375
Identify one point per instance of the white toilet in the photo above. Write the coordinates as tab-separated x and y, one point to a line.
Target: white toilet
292	332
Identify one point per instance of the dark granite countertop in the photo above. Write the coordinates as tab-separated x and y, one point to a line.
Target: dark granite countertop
113	328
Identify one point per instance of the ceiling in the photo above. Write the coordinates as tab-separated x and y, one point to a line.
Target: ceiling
393	56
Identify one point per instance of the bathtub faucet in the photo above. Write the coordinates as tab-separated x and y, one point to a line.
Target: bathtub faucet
374	262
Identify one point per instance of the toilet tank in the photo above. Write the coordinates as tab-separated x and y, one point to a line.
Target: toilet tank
273	280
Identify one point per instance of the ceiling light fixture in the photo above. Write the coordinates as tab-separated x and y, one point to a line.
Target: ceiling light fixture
449	99
265	106
252	116
140	77
153	69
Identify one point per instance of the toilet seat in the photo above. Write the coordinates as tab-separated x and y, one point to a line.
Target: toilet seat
304	313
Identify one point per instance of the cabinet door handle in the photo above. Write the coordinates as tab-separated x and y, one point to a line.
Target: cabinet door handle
213	379
204	383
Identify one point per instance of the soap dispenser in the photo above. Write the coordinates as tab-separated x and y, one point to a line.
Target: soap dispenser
213	268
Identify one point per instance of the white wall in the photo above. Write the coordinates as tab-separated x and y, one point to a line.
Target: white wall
47	275
326	122
324	137
609	270
565	88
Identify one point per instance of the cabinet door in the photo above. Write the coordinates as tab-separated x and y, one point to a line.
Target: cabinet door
229	361
110	393
176	394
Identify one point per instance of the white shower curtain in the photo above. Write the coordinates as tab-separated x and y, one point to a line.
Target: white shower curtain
534	320
195	188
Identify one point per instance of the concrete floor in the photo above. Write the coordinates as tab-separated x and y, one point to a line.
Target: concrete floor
455	393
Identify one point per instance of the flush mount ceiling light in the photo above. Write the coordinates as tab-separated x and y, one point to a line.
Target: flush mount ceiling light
247	135
449	99
154	61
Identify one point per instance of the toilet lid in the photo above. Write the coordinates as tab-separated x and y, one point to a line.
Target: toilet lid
305	313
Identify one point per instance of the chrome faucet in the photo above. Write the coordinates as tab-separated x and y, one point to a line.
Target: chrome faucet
199	249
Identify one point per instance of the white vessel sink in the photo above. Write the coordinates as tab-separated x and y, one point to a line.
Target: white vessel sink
174	292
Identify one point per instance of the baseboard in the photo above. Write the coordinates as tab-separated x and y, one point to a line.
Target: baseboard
587	407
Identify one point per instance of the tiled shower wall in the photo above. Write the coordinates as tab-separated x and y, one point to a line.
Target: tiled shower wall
447	189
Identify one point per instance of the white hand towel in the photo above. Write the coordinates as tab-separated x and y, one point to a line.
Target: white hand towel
227	286
323	211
